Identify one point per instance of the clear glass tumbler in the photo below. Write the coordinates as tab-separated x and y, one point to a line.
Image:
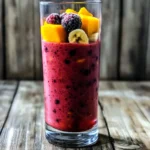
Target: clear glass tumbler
70	34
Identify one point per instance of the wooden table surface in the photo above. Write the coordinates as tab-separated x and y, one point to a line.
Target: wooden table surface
124	116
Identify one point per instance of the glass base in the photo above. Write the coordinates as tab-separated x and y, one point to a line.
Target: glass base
72	139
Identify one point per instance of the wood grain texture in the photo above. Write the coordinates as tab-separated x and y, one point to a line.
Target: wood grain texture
134	39
7	91
148	52
23	127
19	39
125	53
1	40
110	39
126	111
37	42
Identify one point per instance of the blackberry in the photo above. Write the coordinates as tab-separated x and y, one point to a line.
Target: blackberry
57	101
85	72
71	22
72	52
53	18
63	15
46	49
67	61
89	52
54	110
58	120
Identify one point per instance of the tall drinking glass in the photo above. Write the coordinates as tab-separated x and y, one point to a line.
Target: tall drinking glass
70	34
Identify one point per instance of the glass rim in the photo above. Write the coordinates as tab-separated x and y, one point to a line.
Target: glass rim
71	2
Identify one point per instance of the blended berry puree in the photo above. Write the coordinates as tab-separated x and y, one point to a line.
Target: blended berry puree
71	78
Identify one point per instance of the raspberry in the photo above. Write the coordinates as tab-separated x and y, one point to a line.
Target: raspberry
53	18
71	22
63	15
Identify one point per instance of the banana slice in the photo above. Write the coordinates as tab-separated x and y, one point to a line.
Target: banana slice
78	36
94	37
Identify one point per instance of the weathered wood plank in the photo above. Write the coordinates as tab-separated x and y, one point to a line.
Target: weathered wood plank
37	42
148	53
19	39
141	96
134	39
23	123
127	124
110	39
7	91
125	105
105	141
1	39
140	110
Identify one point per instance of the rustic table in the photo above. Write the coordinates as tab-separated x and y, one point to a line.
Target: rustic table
124	116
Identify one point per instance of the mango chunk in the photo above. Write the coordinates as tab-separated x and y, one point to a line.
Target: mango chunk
90	24
84	11
53	33
71	11
80	60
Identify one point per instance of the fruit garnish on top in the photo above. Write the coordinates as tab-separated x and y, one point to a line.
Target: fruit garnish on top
84	11
53	33
78	36
71	22
80	27
71	11
53	18
90	24
52	30
62	15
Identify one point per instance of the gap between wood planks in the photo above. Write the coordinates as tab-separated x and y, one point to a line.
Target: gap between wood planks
3	47
17	86
105	121
119	39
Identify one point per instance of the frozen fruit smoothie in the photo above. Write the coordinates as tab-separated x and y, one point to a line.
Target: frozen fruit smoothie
71	74
71	53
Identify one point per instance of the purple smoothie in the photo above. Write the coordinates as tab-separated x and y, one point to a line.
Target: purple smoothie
71	78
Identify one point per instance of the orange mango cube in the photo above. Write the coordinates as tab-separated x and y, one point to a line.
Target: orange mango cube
90	24
80	60
53	33
71	11
84	11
